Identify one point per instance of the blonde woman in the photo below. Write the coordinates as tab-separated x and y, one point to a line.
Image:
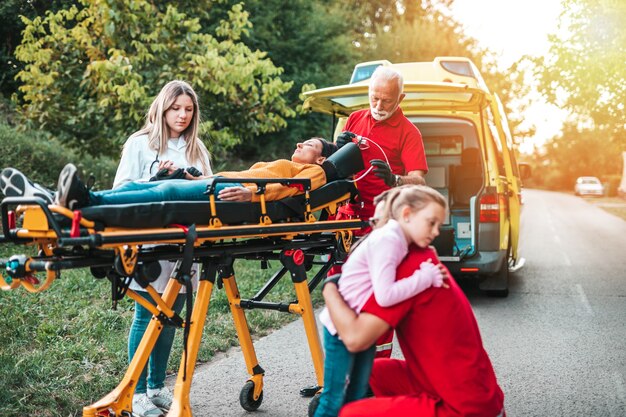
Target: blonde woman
168	140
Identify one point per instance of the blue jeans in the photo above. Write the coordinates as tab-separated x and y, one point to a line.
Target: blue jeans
156	191
154	372
346	375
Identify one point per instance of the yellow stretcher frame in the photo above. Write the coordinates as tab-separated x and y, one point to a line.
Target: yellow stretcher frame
122	250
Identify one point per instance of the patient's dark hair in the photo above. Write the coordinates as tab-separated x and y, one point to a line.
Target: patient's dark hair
328	148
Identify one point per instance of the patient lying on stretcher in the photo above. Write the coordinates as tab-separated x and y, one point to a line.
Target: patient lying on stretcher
306	162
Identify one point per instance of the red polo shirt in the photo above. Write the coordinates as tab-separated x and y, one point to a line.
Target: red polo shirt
400	140
446	364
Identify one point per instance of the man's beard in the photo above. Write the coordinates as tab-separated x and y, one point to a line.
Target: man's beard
379	116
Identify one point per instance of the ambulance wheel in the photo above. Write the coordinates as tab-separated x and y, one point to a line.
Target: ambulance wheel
313	404
246	397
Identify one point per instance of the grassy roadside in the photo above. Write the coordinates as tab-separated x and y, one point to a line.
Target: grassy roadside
65	348
613	205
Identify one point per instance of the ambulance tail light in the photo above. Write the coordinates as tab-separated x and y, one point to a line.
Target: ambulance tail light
490	208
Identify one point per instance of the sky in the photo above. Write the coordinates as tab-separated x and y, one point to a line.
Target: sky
513	28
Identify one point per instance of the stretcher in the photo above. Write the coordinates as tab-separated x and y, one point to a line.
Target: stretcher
124	243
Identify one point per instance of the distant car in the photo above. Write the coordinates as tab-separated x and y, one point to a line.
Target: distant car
588	186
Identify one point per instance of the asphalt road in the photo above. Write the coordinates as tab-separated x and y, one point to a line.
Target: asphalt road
558	342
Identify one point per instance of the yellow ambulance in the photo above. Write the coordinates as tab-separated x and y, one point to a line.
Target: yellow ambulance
470	154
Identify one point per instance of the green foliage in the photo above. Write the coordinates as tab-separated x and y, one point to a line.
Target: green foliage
92	71
420	33
7	112
584	71
65	348
375	15
10	31
611	184
42	158
313	42
577	153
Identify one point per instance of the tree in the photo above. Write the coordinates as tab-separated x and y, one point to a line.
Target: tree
91	72
313	42
578	152
10	31
584	71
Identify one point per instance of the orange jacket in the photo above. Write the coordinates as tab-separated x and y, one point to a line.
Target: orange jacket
281	168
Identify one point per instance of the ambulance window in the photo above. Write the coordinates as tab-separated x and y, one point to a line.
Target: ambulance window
443	145
363	73
459	68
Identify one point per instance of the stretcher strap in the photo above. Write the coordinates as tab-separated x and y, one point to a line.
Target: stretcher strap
184	276
76	217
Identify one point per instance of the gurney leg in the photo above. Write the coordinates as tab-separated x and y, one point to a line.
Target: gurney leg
180	406
293	260
305	308
120	399
252	392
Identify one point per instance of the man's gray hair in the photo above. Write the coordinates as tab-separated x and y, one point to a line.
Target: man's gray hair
388	74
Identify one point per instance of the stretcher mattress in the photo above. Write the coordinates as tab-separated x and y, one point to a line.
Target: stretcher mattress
161	214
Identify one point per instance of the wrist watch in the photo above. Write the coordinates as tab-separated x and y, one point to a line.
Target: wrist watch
399	181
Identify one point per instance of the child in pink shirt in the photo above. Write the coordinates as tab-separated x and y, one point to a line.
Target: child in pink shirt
404	215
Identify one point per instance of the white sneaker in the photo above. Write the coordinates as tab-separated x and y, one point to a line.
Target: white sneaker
15	184
161	397
71	192
143	407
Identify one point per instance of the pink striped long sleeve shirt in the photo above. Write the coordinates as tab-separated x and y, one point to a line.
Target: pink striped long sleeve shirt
371	267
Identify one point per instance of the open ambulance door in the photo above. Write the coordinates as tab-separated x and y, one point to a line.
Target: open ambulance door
512	174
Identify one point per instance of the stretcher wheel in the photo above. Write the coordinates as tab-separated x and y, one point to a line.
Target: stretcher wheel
246	397
313	404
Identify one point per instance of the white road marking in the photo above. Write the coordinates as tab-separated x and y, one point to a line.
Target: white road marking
583	298
557	239
566	259
551	224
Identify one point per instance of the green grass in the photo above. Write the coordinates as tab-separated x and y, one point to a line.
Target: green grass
65	348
